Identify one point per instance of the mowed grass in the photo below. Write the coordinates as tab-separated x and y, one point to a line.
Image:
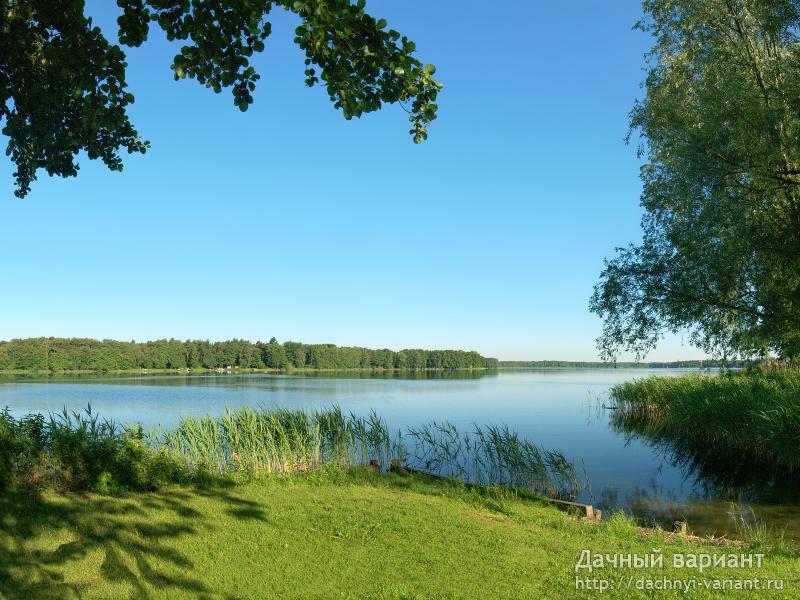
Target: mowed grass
324	534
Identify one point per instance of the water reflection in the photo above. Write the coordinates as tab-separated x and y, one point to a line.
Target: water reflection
661	480
724	486
188	377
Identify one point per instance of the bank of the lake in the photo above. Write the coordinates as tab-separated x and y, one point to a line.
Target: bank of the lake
558	409
750	419
332	533
237	371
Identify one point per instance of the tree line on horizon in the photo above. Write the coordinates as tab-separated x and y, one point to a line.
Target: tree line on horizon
677	364
82	354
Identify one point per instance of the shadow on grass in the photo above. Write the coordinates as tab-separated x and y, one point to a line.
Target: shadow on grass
133	536
49	542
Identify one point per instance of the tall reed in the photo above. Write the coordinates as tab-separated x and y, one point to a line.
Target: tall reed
737	434
492	455
89	452
275	440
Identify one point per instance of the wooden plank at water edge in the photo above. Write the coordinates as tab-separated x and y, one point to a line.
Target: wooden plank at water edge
584	510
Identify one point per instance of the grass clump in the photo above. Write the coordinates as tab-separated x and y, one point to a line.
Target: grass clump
493	455
752	415
758	535
78	451
256	442
251	443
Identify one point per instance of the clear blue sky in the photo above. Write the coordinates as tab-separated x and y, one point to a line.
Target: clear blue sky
289	221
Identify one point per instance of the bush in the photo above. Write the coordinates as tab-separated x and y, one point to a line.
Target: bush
107	485
7	449
77	451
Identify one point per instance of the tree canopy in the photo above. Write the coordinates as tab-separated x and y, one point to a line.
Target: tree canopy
78	354
63	82
720	131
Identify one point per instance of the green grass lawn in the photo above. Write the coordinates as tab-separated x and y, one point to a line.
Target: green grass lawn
324	534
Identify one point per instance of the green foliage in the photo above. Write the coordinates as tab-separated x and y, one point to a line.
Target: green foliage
78	451
77	354
63	83
720	254
8	449
251	443
62	90
107	485
492	455
571	364
759	535
737	419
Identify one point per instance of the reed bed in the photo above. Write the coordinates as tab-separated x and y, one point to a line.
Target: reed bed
753	415
492	455
274	441
78	450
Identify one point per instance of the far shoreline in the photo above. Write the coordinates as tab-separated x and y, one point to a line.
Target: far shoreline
234	370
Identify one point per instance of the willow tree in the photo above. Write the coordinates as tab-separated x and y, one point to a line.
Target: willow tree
62	82
719	129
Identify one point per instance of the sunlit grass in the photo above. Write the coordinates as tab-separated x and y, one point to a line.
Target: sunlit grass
323	533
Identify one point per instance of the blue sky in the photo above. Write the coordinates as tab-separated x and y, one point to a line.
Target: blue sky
289	221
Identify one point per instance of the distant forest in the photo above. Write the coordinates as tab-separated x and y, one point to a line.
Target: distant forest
680	364
77	354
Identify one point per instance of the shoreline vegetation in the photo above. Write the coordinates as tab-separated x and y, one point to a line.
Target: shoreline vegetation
233	370
290	370
64	355
50	355
736	430
290	502
78	451
570	364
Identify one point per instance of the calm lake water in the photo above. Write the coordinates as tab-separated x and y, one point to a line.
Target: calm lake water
560	409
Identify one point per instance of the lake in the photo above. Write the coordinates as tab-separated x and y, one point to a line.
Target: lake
559	409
